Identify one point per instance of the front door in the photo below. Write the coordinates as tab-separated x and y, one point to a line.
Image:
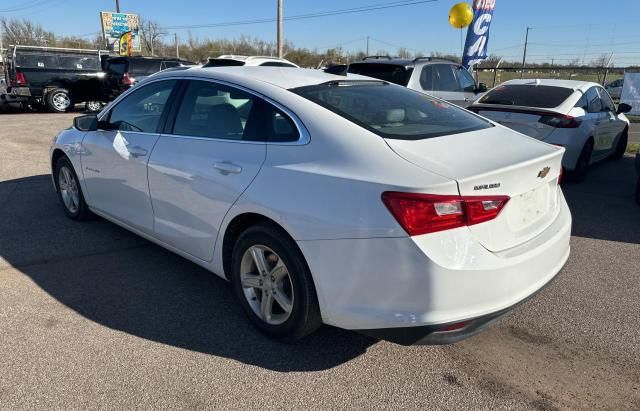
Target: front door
205	161
114	158
440	80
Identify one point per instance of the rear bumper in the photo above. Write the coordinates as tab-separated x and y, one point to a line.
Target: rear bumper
417	285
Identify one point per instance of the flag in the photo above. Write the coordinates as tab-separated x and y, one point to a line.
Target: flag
124	44
475	48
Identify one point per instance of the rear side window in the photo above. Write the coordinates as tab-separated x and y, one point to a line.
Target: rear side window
117	67
387	72
527	95
607	103
391	111
467	83
216	111
280	128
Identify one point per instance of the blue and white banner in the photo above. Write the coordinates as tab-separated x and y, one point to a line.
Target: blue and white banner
475	48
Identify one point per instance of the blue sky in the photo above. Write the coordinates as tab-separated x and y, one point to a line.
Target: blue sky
561	29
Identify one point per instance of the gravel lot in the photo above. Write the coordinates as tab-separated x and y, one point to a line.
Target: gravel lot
94	317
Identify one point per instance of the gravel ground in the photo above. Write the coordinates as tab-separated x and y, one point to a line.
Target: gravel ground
92	316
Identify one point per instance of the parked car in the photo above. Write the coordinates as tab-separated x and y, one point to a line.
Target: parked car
615	88
326	199
235	60
55	78
121	73
577	115
437	77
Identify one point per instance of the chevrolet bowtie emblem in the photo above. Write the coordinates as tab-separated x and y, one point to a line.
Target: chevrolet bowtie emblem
543	173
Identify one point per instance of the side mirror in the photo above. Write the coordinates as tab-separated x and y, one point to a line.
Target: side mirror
86	123
482	88
624	108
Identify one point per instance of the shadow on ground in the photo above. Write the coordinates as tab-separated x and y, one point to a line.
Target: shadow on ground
125	283
603	206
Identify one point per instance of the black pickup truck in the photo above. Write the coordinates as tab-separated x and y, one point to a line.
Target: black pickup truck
54	78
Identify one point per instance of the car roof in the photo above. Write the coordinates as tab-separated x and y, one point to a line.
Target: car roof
570	84
283	77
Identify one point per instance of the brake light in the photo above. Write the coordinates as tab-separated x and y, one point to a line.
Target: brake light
21	79
560	121
560	175
427	213
128	80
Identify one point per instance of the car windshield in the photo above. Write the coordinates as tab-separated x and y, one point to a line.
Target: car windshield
392	73
527	95
391	111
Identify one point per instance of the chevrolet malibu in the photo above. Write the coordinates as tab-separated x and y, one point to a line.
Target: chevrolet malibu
330	199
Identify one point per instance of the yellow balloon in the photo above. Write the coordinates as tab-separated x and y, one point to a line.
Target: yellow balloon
460	15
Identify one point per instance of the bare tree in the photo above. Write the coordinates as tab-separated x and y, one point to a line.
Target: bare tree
25	32
151	34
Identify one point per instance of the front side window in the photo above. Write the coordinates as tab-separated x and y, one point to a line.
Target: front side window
467	83
141	110
217	111
444	78
607	103
391	111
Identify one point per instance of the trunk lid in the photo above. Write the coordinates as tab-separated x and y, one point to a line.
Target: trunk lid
523	120
496	161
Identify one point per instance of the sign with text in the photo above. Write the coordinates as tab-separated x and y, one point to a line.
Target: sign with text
475	48
631	92
114	25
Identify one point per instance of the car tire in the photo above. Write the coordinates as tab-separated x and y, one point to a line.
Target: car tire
59	100
584	161
279	298
93	106
70	191
621	147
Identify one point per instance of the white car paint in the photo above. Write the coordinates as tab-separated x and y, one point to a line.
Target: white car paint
325	192
605	127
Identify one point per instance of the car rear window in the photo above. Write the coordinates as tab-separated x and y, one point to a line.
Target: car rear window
223	63
144	67
392	73
391	111
527	95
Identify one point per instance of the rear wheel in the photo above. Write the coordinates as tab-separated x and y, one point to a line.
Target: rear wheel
273	283
584	161
59	100
622	145
93	106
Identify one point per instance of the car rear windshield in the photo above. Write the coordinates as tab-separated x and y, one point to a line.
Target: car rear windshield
223	63
143	67
391	111
527	95
392	73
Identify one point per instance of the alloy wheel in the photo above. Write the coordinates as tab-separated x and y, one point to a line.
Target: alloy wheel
68	187
61	101
266	284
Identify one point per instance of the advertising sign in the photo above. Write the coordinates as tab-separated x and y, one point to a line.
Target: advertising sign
631	92
114	25
475	48
125	44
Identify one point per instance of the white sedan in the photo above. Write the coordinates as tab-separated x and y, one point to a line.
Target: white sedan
326	199
577	115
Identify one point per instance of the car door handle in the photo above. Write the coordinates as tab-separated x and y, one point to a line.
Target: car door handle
137	151
226	167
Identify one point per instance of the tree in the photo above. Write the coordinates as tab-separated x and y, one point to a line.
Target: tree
25	32
151	34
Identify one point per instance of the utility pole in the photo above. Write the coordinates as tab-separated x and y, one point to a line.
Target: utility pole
279	28
367	45
524	54
175	37
117	6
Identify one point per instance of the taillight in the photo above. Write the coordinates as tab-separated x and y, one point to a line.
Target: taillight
128	80
427	213
21	79
560	121
560	175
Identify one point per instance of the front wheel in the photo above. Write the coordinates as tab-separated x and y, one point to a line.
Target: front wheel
622	145
69	190
93	106
273	284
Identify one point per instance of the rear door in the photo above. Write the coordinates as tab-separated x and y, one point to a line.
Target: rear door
212	150
114	158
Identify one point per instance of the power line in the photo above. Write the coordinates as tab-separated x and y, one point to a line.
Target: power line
352	10
24	6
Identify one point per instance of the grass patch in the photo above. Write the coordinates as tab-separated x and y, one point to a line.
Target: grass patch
633	148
